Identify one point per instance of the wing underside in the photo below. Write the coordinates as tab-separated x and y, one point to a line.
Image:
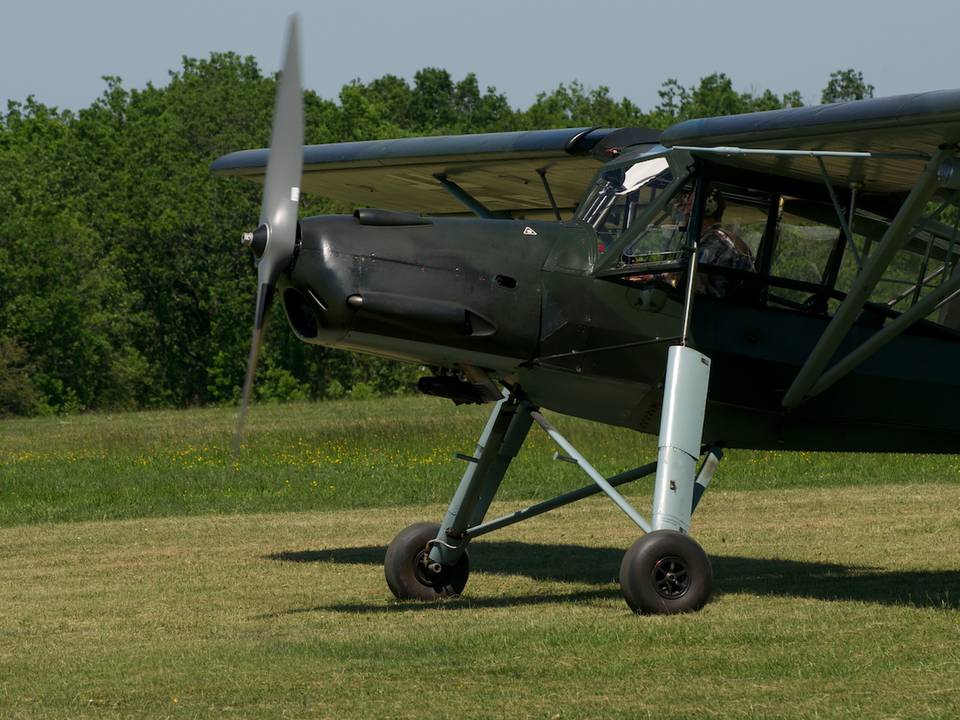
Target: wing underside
500	170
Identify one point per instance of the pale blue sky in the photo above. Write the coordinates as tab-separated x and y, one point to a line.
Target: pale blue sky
57	50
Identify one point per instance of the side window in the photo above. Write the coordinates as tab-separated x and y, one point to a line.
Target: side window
803	249
744	218
731	231
812	248
663	237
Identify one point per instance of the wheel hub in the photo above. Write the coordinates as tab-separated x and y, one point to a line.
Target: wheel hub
670	577
422	570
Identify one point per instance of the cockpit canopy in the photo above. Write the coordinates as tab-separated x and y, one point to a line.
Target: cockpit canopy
800	256
619	194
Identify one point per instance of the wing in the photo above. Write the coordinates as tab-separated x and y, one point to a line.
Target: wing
500	170
899	133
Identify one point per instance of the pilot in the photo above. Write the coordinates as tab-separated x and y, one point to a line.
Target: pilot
718	246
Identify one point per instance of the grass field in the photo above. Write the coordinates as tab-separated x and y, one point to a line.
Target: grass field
342	455
258	591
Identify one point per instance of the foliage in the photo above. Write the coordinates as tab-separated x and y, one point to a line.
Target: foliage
18	396
574	104
846	85
122	284
713	96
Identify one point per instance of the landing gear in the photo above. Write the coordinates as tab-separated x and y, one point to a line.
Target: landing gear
411	574
427	561
665	572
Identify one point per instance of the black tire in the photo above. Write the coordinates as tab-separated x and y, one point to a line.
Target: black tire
406	574
665	572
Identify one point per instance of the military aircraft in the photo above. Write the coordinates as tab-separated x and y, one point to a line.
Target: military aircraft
560	269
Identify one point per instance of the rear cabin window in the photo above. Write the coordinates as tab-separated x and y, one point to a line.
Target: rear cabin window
812	248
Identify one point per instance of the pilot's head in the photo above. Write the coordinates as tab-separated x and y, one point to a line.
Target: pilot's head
713	208
714	205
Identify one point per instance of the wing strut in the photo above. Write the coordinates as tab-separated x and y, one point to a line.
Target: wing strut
943	293
895	237
464	198
779	152
542	172
844	225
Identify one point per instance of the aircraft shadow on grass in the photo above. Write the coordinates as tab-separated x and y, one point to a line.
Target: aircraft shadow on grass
600	566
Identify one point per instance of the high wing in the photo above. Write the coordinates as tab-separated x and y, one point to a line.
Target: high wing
502	171
899	133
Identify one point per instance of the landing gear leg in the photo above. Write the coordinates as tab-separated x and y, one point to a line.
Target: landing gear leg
665	571
424	564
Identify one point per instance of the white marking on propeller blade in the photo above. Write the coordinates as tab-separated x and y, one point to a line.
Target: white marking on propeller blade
294	194
529	231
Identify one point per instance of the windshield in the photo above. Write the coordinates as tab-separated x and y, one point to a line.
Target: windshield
618	196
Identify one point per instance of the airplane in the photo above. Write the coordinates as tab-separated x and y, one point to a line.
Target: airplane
560	269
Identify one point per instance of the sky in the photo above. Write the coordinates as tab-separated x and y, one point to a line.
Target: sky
58	50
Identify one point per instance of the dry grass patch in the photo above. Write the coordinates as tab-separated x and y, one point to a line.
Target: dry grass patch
830	603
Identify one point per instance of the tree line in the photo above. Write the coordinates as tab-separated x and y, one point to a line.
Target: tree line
122	284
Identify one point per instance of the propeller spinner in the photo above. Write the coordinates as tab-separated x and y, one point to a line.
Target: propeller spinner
274	241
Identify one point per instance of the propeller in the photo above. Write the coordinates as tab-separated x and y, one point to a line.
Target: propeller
274	241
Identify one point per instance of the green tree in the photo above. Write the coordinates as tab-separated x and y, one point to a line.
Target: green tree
846	85
388	107
64	298
18	396
713	96
482	112
574	105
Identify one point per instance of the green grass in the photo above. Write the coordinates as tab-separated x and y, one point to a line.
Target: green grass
836	577
830	603
341	455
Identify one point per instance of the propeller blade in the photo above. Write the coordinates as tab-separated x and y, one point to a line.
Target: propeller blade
247	389
274	241
264	298
281	187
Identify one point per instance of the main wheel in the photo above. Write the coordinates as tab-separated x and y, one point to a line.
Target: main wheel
407	572
665	572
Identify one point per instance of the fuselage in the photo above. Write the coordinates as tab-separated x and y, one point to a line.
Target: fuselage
518	300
